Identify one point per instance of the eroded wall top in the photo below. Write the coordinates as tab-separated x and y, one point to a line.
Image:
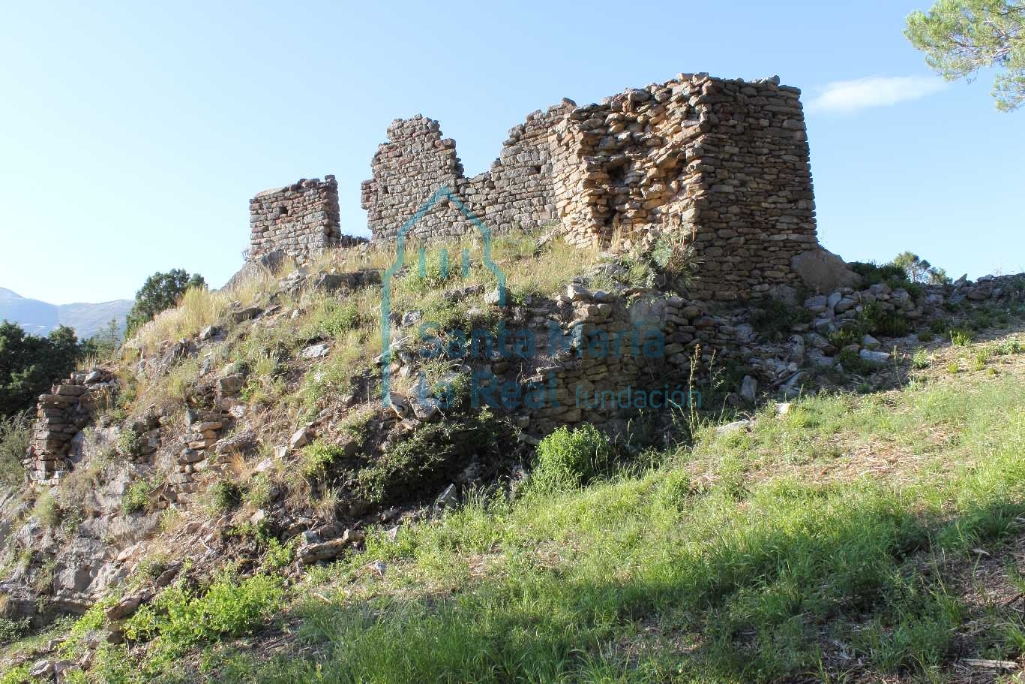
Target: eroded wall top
299	220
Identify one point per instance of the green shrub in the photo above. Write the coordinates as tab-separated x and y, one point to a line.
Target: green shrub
48	510
152	567
776	318
278	555
920	359
431	458
960	337
1011	346
874	273
567	459
338	318
129	443
136	497
17	675
846	335
853	363
674	257
225	496
12	630
317	458
260	490
876	321
15	435
227	608
30	364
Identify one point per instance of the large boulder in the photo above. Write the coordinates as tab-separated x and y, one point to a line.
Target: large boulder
822	271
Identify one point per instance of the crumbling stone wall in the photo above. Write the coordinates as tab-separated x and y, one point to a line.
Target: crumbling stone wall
517	193
723	164
298	220
608	384
60	416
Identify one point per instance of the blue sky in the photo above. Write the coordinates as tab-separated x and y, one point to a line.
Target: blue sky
134	134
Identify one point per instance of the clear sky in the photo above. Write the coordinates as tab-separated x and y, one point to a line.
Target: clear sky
134	134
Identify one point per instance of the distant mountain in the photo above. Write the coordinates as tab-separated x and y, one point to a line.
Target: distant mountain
39	318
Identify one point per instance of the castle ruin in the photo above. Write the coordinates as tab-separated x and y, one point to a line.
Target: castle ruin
723	163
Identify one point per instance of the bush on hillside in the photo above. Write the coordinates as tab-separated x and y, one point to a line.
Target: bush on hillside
567	459
30	364
432	458
160	292
15	434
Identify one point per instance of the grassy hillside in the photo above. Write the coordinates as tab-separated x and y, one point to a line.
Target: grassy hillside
843	538
241	507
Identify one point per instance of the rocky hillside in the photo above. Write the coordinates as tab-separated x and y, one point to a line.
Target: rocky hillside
39	318
230	498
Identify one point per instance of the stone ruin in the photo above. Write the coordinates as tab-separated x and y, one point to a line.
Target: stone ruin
722	164
298	220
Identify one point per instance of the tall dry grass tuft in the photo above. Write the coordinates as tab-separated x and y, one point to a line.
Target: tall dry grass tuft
197	309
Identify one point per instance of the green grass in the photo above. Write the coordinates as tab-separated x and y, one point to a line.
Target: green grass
831	542
136	497
960	337
717	566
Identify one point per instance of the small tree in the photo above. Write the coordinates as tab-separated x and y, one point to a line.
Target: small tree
919	270
30	364
161	291
959	37
105	342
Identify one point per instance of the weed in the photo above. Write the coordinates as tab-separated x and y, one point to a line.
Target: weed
845	336
333	319
129	442
13	629
571	458
228	608
776	318
960	337
853	363
980	358
153	566
48	510
317	459
877	321
224	496
136	497
260	491
431	458
1011	345
15	435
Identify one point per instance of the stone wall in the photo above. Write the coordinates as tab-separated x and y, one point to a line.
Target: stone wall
517	193
723	165
60	416
630	353
299	220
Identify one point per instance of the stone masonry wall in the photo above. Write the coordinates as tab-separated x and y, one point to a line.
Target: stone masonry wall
299	220
517	193
60	416
600	384
723	164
